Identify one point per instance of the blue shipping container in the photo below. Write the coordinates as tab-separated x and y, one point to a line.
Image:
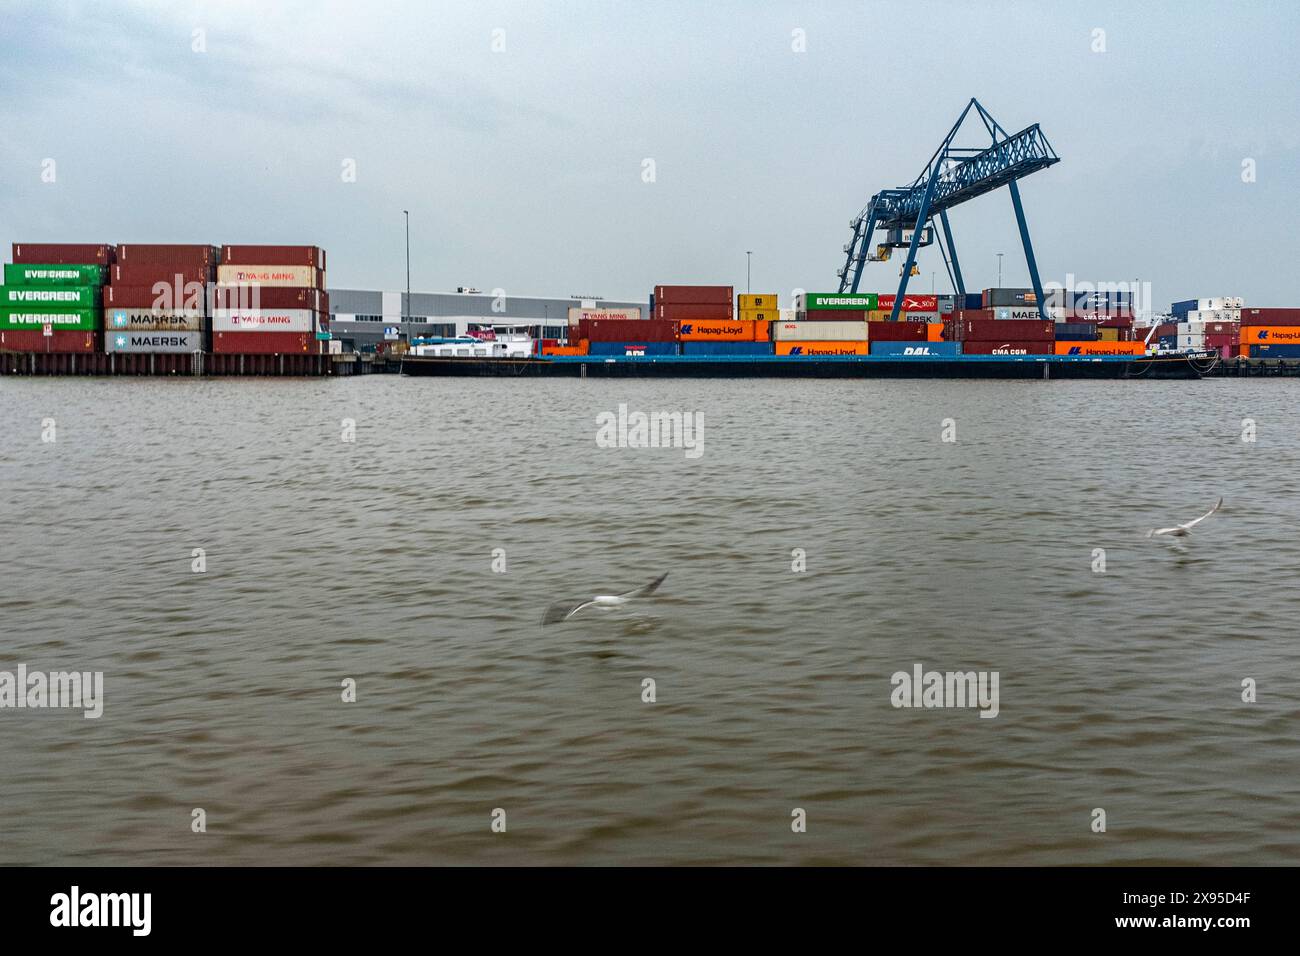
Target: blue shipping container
633	348
727	348
916	349
974	300
1275	351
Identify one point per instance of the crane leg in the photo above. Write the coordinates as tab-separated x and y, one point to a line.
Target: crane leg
862	261
922	218
952	252
1029	250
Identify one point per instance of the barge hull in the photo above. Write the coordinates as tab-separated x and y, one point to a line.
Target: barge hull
980	367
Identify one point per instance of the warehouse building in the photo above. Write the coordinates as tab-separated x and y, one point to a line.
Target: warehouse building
364	318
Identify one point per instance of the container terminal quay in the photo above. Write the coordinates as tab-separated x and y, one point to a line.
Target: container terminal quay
96	308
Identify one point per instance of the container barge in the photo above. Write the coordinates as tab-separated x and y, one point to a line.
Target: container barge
1189	366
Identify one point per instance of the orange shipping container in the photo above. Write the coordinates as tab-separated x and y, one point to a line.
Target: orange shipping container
1269	335
762	331
564	349
934	332
716	330
822	348
1100	348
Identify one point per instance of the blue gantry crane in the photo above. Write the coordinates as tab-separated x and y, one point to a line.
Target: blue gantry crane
953	175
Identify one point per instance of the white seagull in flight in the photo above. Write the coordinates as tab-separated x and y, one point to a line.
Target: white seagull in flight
1182	530
563	610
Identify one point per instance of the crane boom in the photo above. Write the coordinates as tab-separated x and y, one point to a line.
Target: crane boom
953	175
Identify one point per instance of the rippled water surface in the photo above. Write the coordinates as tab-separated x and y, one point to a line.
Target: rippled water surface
372	560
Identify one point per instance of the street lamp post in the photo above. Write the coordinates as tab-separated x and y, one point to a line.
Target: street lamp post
999	270
748	254
406	312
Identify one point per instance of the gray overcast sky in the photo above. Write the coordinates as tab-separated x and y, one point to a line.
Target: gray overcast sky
523	168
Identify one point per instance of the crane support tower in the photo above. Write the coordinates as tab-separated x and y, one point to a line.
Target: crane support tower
953	175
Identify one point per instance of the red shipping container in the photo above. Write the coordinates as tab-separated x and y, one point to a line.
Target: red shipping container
979	314
273	256
986	330
168	256
62	340
1166	328
268	297
911	303
627	330
63	253
695	295
263	343
694	312
144	297
832	315
1115	322
147	274
1012	347
896	331
1270	316
1217	340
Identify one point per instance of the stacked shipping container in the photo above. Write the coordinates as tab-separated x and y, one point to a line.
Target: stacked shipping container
270	300
1270	333
51	296
827	323
156	300
980	332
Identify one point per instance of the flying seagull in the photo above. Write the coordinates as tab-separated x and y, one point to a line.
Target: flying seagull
1182	530
563	610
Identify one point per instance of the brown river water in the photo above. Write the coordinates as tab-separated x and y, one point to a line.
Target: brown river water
372	561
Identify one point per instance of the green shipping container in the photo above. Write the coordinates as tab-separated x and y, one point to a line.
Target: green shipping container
41	298
17	273
81	320
861	302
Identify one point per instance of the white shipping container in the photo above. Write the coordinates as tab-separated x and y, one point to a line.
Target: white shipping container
1196	341
153	320
820	331
295	277
786	315
629	314
263	320
158	342
1220	302
1214	315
